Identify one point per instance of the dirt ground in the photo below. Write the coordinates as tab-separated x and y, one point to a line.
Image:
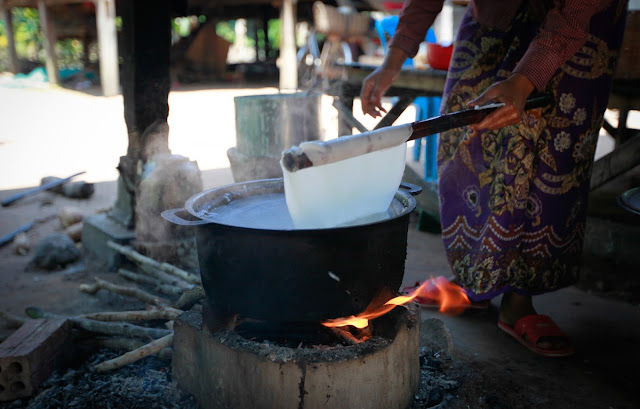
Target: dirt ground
59	132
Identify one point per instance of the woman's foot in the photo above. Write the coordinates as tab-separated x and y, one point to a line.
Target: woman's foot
547	337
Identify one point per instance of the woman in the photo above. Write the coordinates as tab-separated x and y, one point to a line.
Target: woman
513	188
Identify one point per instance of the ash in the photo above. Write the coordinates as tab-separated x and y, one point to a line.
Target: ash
144	384
436	389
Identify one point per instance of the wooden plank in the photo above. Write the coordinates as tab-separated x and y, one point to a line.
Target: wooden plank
108	46
430	82
30	354
622	159
49	34
5	14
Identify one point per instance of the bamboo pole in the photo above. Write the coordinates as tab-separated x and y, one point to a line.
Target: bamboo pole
145	315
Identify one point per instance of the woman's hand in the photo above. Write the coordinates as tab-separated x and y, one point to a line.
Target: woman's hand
513	92
379	81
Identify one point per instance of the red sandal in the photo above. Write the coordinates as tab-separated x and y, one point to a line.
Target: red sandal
535	327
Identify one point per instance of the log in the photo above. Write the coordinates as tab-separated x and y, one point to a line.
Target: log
144	260
135	355
163	288
123	290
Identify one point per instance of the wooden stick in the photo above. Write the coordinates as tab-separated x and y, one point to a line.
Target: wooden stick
163	288
153	314
11	320
135	355
189	298
102	327
124	344
345	335
119	343
166	267
165	278
118	328
128	291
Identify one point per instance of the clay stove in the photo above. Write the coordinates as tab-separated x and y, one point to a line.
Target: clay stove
243	368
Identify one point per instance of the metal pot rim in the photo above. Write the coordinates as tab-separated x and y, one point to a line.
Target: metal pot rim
193	204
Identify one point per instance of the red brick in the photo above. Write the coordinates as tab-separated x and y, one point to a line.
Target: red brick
30	354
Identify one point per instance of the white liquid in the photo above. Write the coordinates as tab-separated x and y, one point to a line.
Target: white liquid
267	211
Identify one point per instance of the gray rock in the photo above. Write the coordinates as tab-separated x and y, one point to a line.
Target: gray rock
55	251
435	335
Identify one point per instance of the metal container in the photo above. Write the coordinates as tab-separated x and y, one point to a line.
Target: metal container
268	124
294	275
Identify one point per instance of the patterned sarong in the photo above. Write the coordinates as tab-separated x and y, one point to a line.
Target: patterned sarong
513	201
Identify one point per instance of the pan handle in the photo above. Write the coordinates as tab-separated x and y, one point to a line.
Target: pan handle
413	190
172	216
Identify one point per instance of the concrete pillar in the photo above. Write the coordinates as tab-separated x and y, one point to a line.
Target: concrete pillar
108	46
288	62
5	14
49	34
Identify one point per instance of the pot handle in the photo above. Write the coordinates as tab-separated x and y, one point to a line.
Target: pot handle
171	216
414	190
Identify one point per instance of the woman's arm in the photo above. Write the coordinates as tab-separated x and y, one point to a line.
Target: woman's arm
415	19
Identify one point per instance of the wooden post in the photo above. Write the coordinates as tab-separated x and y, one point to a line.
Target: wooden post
49	34
5	14
288	63
108	47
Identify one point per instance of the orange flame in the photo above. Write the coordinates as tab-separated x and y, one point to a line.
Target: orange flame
439	291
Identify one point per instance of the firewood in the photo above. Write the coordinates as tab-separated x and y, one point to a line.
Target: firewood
124	344
118	343
123	290
102	327
118	328
165	289
189	298
345	335
144	315
165	278
135	355
166	267
11	320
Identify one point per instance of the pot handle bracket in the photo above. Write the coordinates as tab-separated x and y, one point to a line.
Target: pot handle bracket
413	190
173	217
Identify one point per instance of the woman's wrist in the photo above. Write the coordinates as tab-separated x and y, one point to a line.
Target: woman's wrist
395	59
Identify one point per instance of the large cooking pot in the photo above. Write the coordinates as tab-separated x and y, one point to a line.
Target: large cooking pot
284	274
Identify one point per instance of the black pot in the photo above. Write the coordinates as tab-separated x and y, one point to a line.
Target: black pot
294	275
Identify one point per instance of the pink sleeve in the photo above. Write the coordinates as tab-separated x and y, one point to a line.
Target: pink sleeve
415	19
562	34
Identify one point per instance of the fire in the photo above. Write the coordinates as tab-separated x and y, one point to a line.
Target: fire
451	298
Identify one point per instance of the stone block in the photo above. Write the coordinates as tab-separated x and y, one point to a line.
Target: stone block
97	230
30	354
